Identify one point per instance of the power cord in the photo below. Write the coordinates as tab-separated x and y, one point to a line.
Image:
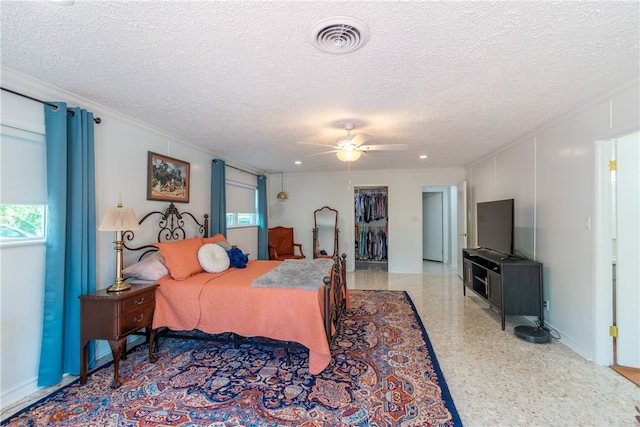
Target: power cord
552	332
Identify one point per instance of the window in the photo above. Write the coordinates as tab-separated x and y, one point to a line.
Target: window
22	185
21	221
242	202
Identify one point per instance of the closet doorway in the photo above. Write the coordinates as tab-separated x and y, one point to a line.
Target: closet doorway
371	231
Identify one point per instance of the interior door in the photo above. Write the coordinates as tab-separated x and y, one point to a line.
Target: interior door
462	222
433	240
628	252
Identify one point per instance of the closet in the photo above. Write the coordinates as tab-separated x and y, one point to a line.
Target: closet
371	228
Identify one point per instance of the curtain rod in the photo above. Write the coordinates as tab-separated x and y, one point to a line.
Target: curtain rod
238	169
97	120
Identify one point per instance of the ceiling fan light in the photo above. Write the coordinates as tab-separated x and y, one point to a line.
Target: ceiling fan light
348	155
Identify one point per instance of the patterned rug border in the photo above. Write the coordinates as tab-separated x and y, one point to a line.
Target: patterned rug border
446	394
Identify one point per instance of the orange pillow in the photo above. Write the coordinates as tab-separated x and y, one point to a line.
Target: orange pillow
215	239
181	257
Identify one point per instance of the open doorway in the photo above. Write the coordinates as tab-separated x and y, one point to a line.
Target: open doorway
440	224
619	251
433	227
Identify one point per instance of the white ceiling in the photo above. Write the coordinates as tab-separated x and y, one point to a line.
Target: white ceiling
454	80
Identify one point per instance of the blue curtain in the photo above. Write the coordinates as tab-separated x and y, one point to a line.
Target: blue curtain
263	228
71	238
218	198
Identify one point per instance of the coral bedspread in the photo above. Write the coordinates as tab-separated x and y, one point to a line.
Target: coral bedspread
225	302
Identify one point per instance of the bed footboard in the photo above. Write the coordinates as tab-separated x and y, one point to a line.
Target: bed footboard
335	293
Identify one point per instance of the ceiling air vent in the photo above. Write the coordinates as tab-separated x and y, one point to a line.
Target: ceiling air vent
340	34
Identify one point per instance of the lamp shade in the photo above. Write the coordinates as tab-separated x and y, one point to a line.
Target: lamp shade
119	219
348	155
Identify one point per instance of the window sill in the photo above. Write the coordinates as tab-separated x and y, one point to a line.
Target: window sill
10	243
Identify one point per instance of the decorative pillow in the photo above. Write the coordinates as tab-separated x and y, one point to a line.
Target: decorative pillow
215	239
181	257
213	258
224	245
237	258
149	268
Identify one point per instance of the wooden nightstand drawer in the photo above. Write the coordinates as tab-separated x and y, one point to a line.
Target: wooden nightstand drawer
133	320
112	316
136	301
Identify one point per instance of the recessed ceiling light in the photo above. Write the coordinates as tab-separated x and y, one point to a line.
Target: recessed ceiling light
297	162
61	2
423	156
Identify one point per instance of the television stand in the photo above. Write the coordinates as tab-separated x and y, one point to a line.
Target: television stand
511	285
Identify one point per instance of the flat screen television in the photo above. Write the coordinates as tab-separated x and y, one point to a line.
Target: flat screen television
495	225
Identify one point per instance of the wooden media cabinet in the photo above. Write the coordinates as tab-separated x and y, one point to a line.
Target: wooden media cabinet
511	285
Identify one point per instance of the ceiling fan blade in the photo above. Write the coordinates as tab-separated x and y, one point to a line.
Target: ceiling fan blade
383	147
360	139
312	143
324	152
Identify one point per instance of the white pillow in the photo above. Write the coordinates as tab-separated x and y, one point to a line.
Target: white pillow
213	258
150	268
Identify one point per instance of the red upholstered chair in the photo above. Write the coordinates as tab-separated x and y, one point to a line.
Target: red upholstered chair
281	244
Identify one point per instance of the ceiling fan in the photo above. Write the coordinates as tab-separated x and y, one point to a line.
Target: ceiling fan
349	147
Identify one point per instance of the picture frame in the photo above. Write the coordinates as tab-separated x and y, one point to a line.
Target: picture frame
167	178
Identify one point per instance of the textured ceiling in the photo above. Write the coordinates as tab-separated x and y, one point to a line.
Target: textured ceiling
453	80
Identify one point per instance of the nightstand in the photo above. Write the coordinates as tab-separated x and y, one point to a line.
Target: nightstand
112	316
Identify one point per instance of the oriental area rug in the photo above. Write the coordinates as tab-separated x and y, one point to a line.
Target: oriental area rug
383	373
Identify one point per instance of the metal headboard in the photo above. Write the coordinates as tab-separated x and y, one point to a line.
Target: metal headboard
172	228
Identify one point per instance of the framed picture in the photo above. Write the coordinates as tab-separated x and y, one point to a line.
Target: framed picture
167	179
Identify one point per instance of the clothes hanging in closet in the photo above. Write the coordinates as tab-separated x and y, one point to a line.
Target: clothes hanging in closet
372	243
370	206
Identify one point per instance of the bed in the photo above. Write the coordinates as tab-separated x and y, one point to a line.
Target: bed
285	303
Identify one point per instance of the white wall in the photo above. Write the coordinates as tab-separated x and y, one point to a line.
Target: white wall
22	298
551	173
308	192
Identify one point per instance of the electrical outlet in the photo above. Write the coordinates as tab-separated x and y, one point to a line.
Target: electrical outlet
546	304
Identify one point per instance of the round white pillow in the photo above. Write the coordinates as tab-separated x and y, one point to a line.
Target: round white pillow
213	258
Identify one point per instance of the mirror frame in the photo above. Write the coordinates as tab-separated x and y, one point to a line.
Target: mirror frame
315	232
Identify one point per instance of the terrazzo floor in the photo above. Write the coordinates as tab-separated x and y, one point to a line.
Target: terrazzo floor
496	379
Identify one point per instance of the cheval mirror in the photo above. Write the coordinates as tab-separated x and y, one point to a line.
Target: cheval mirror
325	233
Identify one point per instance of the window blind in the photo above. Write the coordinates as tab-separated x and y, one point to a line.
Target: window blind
241	198
23	176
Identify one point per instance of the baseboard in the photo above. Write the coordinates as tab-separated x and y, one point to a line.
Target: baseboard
571	343
564	339
13	396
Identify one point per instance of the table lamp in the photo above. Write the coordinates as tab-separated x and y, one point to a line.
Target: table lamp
119	219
